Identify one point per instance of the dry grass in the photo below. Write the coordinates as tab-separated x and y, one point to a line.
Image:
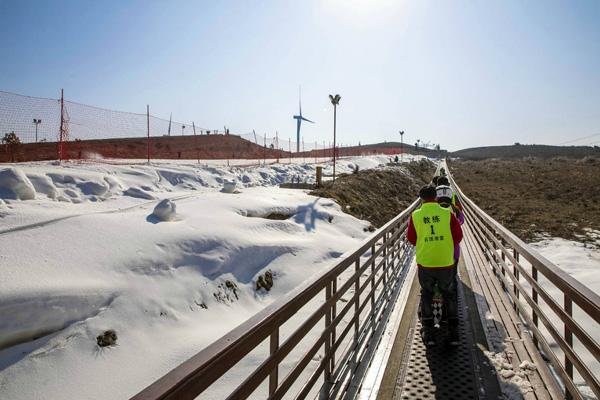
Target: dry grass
378	195
532	197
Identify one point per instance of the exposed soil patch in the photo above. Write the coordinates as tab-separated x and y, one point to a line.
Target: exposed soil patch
276	216
531	197
107	338
265	281
378	195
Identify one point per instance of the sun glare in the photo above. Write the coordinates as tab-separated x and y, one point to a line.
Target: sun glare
362	12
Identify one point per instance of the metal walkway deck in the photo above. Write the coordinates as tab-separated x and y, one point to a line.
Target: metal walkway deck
438	372
466	372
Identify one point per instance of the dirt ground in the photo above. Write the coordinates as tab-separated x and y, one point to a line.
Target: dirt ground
378	195
532	197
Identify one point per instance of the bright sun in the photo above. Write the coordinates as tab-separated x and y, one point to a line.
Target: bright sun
362	12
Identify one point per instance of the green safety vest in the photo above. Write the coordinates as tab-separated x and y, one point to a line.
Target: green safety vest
435	246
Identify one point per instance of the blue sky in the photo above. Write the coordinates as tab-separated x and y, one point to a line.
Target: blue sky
459	73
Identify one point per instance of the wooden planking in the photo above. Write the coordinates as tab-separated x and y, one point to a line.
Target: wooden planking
504	325
486	283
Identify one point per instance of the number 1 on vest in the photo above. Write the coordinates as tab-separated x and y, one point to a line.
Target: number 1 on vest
432	231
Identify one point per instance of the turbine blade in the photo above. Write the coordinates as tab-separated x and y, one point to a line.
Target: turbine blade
300	99
308	120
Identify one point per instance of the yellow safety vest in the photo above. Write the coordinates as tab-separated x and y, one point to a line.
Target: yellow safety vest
435	245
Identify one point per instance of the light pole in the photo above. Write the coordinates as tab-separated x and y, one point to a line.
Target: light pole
401	146
36	122
182	129
335	100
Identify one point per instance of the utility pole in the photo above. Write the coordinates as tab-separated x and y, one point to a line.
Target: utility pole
335	100
148	132
62	126
36	122
401	146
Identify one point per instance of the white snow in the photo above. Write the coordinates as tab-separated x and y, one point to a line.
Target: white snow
15	185
85	255
165	210
513	381
582	262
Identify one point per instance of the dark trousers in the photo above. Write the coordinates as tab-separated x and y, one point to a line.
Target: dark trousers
446	283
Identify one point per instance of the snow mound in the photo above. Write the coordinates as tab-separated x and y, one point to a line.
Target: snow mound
90	188
48	312
138	193
15	185
165	210
43	184
228	187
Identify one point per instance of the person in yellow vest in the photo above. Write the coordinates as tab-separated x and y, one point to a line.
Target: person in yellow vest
434	230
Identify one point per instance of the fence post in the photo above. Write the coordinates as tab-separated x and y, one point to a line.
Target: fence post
569	339
385	260
328	370
332	335
303	152
372	294
273	376
148	132
534	295
196	142
356	311
62	126
516	274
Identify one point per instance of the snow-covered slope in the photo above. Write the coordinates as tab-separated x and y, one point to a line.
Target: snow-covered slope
90	253
582	262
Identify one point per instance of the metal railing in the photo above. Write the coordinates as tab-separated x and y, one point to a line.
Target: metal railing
532	300
353	299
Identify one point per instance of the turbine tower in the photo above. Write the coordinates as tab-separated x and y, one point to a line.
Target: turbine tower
299	118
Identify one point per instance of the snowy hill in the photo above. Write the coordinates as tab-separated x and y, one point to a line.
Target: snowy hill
84	252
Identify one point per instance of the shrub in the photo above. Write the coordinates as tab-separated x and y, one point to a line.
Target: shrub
11	139
107	338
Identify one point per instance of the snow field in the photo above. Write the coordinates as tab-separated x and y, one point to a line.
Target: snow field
89	253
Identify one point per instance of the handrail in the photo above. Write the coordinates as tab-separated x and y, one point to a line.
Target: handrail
493	239
374	270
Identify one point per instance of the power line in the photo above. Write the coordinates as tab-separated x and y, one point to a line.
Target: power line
579	139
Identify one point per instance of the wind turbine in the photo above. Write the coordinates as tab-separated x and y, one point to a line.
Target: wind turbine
299	118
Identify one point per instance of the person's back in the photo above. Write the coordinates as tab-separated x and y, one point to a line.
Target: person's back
434	230
432	225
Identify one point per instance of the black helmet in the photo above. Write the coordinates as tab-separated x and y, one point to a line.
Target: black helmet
443	181
427	192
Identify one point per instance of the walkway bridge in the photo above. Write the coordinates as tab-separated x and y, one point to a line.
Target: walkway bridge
528	330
